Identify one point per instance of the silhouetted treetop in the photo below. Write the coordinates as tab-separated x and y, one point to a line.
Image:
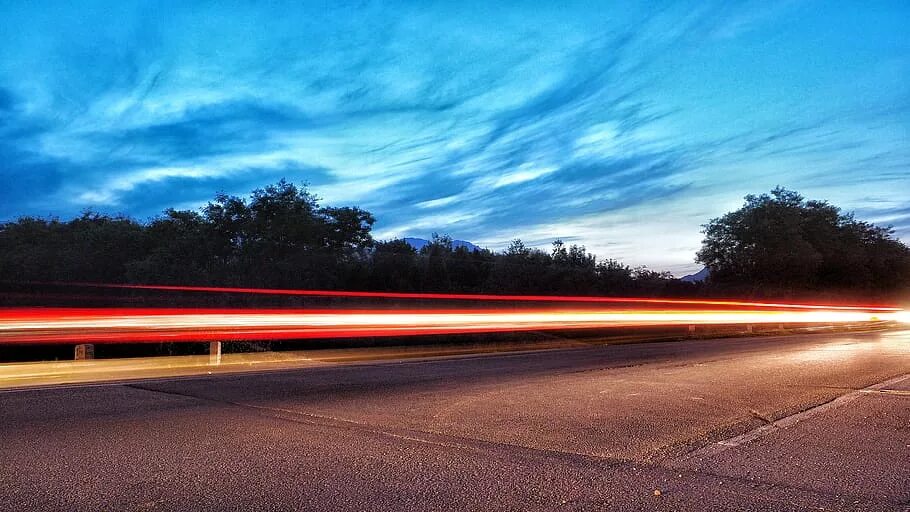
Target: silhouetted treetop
781	242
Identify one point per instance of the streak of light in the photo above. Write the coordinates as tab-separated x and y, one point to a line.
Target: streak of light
481	297
120	325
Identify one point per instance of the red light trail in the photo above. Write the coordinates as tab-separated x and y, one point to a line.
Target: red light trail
126	325
129	325
479	297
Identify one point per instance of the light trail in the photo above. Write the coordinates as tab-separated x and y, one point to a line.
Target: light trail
480	297
124	325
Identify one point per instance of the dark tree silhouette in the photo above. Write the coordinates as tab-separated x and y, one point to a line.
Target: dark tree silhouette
280	236
782	244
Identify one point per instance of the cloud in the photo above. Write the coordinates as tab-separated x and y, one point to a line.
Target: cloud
227	127
436	203
623	128
525	173
189	191
896	215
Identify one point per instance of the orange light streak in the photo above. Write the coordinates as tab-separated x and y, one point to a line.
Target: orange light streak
122	325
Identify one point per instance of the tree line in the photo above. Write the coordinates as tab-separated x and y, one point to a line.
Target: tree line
281	237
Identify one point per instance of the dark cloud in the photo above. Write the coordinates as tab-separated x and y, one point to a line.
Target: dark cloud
223	128
26	180
26	175
151	198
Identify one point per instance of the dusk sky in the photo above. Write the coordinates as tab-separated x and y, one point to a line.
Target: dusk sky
620	127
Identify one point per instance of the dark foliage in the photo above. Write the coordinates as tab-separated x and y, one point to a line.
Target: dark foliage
281	237
781	244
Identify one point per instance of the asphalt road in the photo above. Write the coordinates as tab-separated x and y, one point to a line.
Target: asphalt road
809	422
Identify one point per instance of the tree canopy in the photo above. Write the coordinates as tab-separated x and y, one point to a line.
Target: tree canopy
782	244
280	236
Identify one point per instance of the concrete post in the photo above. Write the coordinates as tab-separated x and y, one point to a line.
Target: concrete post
84	351
691	330
215	352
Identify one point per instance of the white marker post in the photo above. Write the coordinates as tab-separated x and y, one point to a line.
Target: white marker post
84	351
215	353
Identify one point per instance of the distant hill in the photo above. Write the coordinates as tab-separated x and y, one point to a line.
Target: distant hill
697	277
420	243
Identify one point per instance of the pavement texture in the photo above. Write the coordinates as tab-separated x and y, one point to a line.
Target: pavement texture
808	422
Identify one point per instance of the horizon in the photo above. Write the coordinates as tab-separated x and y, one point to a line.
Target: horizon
622	129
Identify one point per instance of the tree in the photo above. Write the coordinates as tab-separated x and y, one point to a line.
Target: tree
519	269
613	277
91	247
394	267
183	249
282	237
436	269
780	243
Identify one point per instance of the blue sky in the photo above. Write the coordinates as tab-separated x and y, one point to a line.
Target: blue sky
616	125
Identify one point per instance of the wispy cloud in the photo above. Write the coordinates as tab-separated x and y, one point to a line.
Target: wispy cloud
623	128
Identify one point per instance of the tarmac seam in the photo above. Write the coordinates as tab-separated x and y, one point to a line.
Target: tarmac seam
423	436
412	435
785	422
895	392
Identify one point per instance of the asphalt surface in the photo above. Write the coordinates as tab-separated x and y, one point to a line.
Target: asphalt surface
809	422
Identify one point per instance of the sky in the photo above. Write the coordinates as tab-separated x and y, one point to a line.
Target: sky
620	126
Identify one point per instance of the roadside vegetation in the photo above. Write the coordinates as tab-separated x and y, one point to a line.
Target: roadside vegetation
281	237
776	245
782	245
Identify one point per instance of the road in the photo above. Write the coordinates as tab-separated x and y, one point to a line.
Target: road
807	422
